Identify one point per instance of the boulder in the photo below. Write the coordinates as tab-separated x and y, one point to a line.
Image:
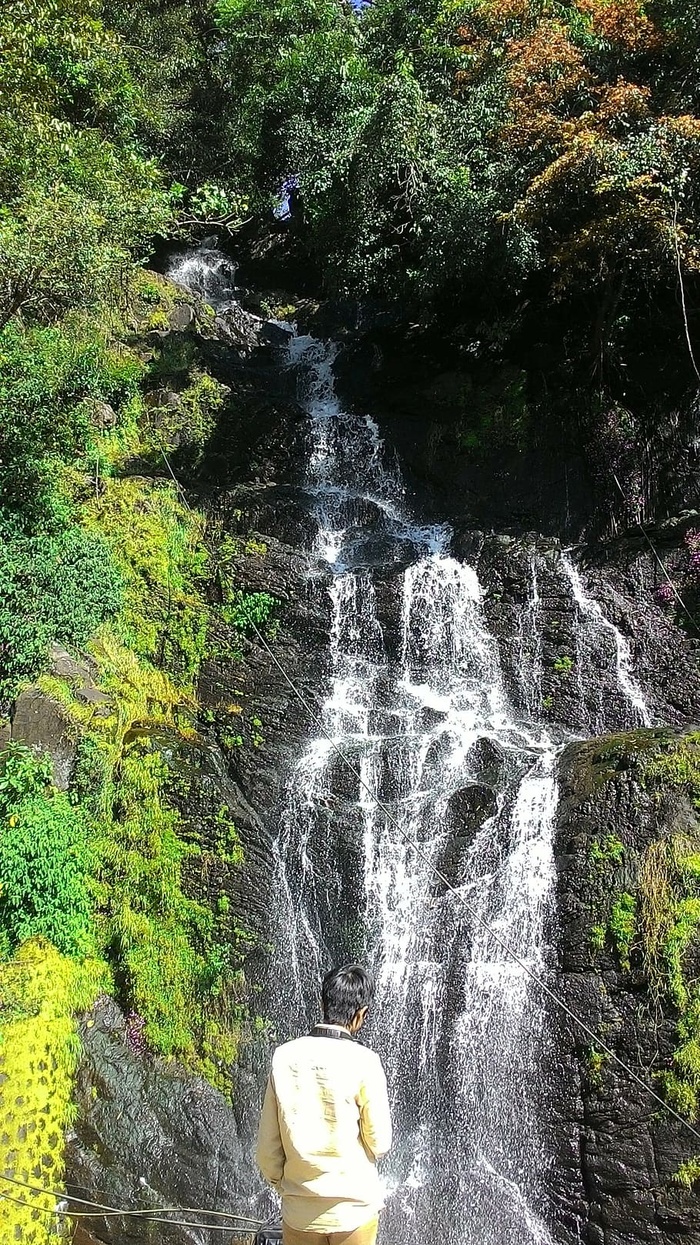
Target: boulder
149	1135
181	317
41	722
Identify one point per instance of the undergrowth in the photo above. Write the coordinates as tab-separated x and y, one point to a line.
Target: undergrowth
100	873
655	931
669	919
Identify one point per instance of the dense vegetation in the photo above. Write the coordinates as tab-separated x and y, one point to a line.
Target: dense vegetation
502	169
483	160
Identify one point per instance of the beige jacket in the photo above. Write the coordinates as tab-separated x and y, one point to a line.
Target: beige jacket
325	1121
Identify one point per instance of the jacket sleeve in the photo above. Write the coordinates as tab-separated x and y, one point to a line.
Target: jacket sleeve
269	1153
375	1116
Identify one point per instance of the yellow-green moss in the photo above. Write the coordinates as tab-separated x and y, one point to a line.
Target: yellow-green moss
190	419
669	909
40	992
158	545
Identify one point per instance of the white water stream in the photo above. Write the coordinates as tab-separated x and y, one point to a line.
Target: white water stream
418	702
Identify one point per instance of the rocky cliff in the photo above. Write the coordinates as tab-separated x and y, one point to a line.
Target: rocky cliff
627	842
149	1134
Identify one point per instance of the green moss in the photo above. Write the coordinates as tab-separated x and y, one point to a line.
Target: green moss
609	850
595	1063
159	548
679	1095
659	921
623	927
185	423
688	1173
563	665
670	918
677	765
165	946
684	926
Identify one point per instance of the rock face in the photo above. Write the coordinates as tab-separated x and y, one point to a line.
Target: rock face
41	722
619	1147
149	1136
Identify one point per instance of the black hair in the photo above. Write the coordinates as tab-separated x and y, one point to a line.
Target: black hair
345	992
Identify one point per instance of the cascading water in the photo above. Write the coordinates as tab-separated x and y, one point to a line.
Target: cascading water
445	751
439	756
206	272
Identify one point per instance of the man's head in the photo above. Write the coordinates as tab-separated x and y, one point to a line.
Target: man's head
347	993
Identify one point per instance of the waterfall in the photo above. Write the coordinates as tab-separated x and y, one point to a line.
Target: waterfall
594	630
447	751
206	272
418	704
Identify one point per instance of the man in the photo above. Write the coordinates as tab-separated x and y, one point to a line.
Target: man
325	1122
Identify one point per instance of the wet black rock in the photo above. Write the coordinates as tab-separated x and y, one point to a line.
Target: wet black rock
149	1135
471	806
618	1150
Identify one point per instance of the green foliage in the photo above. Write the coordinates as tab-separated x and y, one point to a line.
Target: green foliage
679	1095
607	851
563	665
595	1063
79	196
668	916
162	943
684	926
44	860
92	783
51	380
245	611
678	765
623	926
688	1173
227	841
191	419
51	588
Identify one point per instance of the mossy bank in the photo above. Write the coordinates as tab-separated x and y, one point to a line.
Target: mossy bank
629	902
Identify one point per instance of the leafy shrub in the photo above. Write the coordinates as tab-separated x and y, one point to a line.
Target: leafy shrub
59	587
244	611
50	379
44	860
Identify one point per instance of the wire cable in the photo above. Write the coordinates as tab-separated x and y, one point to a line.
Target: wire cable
152	1215
79	1214
153	1210
504	945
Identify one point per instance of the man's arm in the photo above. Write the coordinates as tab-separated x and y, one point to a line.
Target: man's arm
269	1154
375	1116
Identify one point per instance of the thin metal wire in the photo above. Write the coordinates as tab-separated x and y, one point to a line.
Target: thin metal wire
153	1210
153	1215
500	942
79	1214
147	1218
